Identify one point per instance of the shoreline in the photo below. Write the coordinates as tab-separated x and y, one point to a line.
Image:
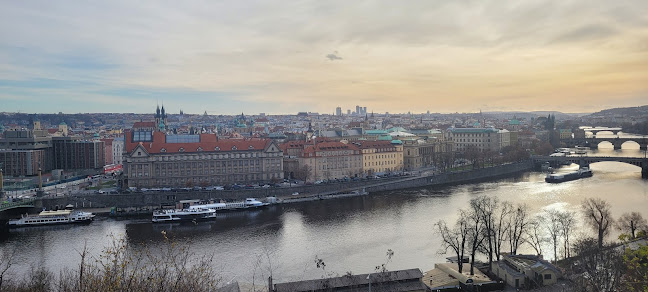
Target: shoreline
144	207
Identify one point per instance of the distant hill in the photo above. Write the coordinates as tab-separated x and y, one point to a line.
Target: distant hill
638	111
535	114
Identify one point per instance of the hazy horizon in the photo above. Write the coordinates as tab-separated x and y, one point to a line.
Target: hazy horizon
283	57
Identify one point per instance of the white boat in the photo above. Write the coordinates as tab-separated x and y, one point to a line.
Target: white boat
191	214
248	203
254	203
52	217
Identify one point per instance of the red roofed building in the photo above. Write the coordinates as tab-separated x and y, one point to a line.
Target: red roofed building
323	160
155	159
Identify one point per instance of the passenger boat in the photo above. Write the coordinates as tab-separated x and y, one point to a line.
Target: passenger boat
193	214
248	203
558	178
52	217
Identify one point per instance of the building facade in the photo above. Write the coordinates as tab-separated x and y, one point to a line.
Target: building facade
24	151
22	162
154	159
76	153
482	139
330	160
420	153
379	157
117	150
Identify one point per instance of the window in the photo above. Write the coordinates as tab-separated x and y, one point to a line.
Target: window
216	148
547	276
163	150
251	147
181	149
233	147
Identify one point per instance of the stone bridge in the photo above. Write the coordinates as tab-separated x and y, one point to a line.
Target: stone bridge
602	129
594	142
586	160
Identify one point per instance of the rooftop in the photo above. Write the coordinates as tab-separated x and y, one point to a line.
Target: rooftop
402	280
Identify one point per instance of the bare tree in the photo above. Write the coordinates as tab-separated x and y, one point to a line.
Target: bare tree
502	226
6	261
597	214
551	222
631	222
475	230
535	236
485	207
518	224
567	222
455	238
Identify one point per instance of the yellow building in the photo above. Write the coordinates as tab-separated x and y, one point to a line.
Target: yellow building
380	157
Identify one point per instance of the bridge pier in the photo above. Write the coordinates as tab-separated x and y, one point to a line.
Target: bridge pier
644	169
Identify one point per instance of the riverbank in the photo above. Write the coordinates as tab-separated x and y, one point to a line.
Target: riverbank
132	203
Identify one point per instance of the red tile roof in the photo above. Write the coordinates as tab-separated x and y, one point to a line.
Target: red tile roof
328	146
208	143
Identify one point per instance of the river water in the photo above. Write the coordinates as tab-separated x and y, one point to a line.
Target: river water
350	234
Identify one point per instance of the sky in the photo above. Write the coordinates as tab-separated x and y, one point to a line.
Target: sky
277	57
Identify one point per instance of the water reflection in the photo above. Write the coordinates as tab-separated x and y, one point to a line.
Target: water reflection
350	234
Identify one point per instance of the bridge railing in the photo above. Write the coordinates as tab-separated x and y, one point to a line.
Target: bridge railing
10	205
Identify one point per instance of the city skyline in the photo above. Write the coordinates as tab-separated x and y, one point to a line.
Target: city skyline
279	58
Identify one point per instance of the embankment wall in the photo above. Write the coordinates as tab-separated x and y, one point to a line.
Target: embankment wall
150	199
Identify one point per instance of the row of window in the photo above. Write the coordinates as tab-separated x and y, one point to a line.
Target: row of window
213	156
222	179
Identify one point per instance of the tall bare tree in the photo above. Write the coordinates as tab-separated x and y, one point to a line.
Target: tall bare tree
567	224
502	226
551	222
455	238
486	207
475	230
518	224
535	235
597	214
631	222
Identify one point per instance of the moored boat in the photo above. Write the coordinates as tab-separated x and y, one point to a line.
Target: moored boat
194	214
52	217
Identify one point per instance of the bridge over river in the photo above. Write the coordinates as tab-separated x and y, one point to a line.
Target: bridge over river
586	160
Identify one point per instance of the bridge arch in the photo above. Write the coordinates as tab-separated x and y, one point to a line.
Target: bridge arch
605	133
630	145
605	144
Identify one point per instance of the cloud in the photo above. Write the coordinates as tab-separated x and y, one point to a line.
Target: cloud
588	32
334	56
231	55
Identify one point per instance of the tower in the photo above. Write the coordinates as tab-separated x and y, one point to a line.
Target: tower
163	115
157	115
309	132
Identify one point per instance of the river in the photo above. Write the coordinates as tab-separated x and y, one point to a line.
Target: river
350	234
